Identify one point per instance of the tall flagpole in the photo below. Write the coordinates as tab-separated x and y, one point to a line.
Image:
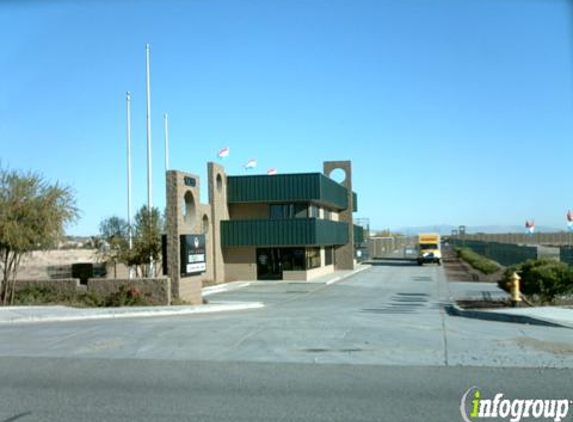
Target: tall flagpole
149	171
166	128
129	228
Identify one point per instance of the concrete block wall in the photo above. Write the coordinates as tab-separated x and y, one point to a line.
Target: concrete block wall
64	285
219	211
186	215
157	291
344	253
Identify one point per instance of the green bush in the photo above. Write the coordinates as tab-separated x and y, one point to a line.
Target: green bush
542	278
477	261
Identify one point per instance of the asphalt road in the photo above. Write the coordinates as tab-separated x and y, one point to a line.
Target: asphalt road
377	346
39	390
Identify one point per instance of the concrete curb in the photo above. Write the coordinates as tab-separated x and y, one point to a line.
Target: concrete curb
220	288
133	313
342	277
455	310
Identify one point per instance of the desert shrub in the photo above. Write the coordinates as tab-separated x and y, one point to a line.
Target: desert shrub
479	262
542	278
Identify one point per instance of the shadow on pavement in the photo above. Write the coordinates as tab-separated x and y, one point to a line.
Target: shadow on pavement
392	262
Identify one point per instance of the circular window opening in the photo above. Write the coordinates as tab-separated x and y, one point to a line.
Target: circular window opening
189	208
219	183
205	224
338	175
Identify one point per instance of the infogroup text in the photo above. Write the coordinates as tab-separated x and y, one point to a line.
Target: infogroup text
474	407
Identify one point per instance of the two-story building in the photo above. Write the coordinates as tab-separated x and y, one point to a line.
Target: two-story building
259	227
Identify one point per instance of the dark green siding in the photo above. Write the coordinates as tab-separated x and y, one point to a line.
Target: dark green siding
291	232
304	187
358	234
566	254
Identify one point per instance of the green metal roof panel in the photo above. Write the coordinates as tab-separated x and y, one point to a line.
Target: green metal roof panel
301	187
288	232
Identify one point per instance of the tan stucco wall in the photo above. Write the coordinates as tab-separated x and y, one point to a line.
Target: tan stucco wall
240	264
249	211
308	274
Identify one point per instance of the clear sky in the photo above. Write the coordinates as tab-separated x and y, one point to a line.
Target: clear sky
452	111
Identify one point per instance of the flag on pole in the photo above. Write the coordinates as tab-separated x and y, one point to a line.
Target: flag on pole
530	227
570	221
251	164
272	171
224	153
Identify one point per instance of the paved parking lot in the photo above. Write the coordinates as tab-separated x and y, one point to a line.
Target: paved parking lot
390	314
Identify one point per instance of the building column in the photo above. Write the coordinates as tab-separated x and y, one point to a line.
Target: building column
345	253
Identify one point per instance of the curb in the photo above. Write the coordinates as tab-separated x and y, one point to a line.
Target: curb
203	309
342	277
211	290
501	317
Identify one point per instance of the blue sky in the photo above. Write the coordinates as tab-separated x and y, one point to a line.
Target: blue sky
452	111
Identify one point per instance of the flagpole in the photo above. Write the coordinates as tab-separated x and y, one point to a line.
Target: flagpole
149	170
166	130
129	229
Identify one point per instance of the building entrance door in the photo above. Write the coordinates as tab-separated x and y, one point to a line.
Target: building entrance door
269	264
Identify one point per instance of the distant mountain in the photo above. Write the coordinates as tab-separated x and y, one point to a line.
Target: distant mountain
445	229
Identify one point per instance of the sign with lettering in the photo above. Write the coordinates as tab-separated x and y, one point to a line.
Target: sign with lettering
193	254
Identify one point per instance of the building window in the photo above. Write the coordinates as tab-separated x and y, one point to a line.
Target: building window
327	214
328	255
284	211
298	263
313	211
300	211
277	212
312	258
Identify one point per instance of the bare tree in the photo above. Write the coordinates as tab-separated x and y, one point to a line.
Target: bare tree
33	215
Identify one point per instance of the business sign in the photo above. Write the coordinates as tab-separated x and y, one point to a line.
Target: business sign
193	254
